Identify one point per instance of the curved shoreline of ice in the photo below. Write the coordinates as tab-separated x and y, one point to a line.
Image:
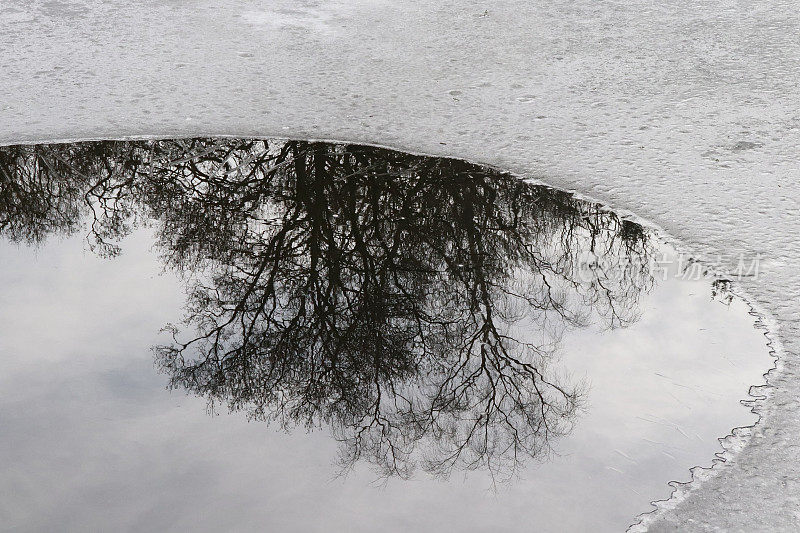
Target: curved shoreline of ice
739	437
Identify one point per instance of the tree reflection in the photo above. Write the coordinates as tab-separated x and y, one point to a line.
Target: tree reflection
412	304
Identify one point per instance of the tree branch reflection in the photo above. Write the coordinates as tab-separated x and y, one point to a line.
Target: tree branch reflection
413	305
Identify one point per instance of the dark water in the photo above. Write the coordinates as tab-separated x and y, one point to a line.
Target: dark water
425	316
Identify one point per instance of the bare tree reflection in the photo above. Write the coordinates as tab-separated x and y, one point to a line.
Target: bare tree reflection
412	304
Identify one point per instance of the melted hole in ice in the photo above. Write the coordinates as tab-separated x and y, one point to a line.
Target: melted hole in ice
430	315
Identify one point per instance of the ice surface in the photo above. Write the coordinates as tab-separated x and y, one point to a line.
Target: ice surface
683	113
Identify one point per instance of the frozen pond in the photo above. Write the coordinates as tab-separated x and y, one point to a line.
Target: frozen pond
472	351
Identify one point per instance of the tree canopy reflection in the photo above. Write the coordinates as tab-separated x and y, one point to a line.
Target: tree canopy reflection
411	304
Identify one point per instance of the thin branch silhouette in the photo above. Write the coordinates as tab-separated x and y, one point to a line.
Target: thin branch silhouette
413	305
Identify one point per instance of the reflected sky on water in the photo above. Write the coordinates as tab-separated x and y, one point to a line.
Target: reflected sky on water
426	313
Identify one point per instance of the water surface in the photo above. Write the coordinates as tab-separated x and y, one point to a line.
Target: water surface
494	353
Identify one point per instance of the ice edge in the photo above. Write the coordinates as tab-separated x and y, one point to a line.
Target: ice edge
735	441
